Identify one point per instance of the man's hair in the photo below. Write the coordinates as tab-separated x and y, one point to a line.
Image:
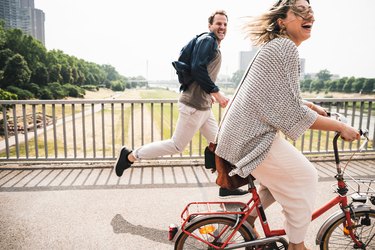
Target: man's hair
218	12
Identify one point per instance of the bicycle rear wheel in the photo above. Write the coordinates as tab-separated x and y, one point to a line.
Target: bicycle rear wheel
336	237
212	230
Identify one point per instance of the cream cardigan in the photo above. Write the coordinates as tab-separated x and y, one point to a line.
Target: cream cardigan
267	101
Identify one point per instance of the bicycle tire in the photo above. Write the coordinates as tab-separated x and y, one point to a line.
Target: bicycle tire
206	229
335	237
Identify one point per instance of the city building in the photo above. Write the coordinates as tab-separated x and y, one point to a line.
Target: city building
246	57
21	14
302	62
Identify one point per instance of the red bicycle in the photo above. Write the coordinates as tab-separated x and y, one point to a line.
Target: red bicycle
224	225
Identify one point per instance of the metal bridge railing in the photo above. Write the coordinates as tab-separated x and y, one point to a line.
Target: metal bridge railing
64	130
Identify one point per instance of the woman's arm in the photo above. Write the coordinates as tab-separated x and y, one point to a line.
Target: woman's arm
348	133
316	108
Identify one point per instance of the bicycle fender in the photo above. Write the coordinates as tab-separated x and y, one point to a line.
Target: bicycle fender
204	217
333	218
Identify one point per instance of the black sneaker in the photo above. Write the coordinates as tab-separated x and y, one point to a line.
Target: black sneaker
122	162
226	193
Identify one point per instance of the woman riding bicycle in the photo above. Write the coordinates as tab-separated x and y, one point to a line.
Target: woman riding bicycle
269	103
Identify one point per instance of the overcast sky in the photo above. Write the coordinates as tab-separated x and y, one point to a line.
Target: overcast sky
142	37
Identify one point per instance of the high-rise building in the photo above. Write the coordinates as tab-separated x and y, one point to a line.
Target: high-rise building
302	62
246	57
21	14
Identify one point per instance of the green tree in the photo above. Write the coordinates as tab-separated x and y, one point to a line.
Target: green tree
40	75
347	88
237	76
358	85
331	85
2	35
16	72
66	74
340	84
305	84
31	49
5	54
48	66
317	85
75	75
55	73
90	79
111	73
369	85
107	83
324	75
81	78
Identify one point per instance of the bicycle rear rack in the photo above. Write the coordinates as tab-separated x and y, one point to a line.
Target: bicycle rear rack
362	189
213	208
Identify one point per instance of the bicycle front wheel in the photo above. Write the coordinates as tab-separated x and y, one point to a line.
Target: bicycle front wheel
337	237
214	231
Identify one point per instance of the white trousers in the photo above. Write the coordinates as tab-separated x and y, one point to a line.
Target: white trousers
288	177
189	121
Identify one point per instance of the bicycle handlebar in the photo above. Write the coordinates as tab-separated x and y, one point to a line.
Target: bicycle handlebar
362	132
337	116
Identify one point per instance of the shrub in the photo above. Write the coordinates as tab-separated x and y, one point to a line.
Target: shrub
117	86
57	90
46	94
73	90
33	88
22	94
6	95
90	87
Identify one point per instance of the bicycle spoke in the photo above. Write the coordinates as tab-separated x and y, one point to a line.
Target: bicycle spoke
364	230
369	231
211	231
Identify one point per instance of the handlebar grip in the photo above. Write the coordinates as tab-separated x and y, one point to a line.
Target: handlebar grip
364	133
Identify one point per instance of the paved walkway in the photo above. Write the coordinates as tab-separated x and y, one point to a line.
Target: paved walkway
81	206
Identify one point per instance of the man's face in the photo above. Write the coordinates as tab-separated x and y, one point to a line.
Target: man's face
219	26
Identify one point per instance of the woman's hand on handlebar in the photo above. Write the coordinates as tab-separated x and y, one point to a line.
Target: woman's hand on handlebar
349	133
319	110
337	123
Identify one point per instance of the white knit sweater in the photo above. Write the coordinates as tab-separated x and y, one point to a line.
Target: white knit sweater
268	101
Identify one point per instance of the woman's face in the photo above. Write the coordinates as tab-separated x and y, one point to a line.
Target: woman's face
298	22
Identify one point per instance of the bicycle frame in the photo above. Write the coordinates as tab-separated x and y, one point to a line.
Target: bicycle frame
255	203
341	199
